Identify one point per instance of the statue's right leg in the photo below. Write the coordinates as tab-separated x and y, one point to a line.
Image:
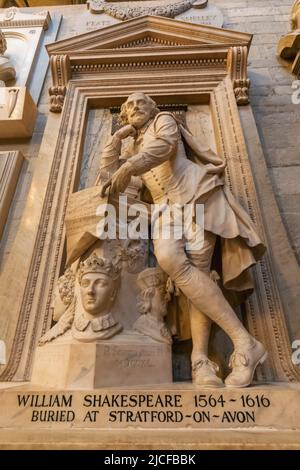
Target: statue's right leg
204	371
207	297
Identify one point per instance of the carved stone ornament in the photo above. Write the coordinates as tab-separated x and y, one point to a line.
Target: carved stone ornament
15	18
152	305
10	167
60	68
94	54
127	12
237	64
289	45
7	71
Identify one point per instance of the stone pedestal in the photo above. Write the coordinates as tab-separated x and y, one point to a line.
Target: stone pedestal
127	359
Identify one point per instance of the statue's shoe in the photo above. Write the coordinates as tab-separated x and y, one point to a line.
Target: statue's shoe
204	373
243	363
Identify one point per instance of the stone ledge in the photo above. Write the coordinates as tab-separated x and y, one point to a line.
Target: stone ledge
276	426
229	439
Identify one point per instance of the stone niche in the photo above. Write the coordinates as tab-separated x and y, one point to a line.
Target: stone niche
199	72
25	35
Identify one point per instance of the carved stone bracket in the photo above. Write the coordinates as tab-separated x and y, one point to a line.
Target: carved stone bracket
237	66
61	73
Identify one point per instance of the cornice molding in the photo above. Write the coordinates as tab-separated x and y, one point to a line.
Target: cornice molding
181	32
146	43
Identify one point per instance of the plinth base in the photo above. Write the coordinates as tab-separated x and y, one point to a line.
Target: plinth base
177	416
126	359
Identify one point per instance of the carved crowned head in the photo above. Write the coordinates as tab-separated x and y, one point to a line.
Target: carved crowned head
138	109
3	43
98	278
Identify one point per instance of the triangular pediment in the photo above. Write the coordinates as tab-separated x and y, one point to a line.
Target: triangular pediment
149	31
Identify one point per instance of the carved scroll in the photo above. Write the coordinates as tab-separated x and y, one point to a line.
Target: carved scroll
61	72
237	66
288	45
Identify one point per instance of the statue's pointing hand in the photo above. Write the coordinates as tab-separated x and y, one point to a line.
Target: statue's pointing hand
119	180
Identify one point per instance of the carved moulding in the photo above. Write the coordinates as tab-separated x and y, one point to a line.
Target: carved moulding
128	12
265	316
61	72
237	66
23	33
26	35
10	167
169	83
151	43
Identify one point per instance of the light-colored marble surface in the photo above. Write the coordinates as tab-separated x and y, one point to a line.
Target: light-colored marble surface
17	113
98	419
128	358
10	166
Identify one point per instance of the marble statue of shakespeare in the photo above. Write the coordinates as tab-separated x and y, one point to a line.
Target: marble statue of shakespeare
158	156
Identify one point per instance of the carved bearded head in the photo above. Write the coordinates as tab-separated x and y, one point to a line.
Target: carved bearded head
138	109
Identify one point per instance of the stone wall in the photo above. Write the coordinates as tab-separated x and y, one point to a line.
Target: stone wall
276	117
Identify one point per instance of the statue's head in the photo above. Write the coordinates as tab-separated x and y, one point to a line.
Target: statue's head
3	43
138	109
153	298
99	280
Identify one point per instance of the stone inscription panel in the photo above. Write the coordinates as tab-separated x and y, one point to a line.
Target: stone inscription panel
121	408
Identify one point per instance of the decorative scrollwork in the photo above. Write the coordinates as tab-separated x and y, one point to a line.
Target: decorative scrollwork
123	13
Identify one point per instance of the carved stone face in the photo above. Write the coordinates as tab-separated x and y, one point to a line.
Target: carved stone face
159	303
139	109
97	293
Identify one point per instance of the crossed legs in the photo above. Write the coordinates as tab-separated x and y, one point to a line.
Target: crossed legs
208	301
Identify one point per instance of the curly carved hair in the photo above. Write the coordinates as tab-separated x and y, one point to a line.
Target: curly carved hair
144	300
